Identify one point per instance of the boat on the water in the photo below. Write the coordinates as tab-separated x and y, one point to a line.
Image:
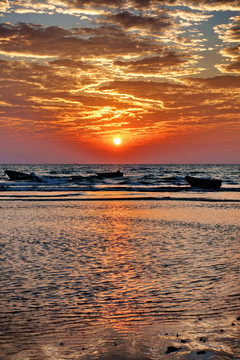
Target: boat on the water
203	183
112	174
16	175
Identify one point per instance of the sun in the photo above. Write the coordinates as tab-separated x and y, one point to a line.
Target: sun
117	141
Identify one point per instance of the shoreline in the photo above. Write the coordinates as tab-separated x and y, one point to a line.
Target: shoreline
119	196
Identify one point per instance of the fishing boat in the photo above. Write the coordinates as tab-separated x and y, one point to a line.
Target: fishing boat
203	183
113	174
16	175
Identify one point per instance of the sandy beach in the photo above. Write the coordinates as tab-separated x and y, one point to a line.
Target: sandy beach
119	280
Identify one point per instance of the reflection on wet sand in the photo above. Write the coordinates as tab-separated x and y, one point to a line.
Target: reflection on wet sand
119	280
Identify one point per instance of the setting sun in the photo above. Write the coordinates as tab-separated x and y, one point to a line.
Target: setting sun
117	141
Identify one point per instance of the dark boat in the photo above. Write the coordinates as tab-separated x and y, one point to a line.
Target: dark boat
113	174
203	183
16	175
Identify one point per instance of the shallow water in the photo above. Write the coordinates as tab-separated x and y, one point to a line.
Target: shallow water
119	280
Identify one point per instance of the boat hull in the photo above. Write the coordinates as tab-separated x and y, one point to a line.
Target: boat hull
16	175
203	183
110	174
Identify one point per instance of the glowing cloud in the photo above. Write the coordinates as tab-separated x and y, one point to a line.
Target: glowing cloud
147	69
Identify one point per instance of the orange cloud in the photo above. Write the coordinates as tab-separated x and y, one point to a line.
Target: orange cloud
124	68
234	66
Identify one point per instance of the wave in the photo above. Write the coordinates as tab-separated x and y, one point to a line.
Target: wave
138	182
91	183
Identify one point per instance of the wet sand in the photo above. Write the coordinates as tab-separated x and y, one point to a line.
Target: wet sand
119	280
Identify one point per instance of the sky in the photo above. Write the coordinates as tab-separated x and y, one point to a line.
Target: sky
163	76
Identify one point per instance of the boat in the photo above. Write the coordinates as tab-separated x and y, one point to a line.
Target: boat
113	174
16	175
203	183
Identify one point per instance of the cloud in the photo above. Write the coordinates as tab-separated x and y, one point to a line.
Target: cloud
69	63
131	66
147	4
188	97
190	16
217	83
4	6
32	39
229	32
67	99
191	110
210	5
73	7
31	6
234	66
114	43
94	3
148	22
155	64
102	51
96	7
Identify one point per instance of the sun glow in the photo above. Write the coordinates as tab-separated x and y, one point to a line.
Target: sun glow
117	141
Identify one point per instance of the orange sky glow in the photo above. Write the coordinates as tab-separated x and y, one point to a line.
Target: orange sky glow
161	75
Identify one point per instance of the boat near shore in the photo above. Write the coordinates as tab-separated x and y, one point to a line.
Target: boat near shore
203	183
112	174
16	175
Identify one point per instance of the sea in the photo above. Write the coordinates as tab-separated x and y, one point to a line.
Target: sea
80	182
140	267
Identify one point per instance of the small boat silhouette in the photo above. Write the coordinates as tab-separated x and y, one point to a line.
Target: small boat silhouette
112	174
203	183
16	175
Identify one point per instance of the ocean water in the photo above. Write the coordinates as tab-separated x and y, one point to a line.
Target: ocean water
138	181
135	274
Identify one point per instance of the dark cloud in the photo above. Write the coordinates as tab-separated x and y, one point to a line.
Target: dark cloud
146	4
95	3
153	4
187	94
129	20
32	31
54	41
154	64
217	82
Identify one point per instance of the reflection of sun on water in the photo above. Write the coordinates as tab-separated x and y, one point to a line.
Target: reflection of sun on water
119	302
